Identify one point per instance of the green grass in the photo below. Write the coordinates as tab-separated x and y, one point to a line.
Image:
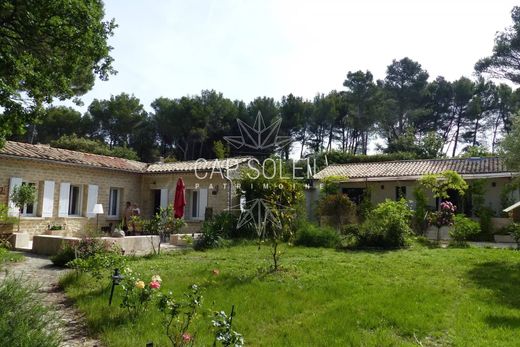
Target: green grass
9	256
322	297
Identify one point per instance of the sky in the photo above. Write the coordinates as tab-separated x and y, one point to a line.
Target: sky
246	49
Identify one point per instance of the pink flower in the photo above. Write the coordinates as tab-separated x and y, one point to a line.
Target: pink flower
186	337
155	284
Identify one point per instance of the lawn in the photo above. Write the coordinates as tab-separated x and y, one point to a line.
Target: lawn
323	297
9	256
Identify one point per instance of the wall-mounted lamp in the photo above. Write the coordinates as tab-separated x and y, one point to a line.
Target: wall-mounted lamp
493	184
382	187
215	190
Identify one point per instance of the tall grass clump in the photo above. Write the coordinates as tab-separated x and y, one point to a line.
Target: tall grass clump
24	320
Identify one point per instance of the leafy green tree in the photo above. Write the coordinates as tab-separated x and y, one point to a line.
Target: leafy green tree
221	151
510	146
292	111
463	91
58	121
23	195
405	85
440	184
49	49
116	118
361	97
504	62
81	144
270	194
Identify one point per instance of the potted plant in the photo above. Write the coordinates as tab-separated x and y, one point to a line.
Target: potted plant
21	196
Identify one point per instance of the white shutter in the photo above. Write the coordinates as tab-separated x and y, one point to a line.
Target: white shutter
48	198
63	209
91	199
13	182
164	198
203	202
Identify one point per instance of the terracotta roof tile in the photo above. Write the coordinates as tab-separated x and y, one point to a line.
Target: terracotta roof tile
202	165
45	152
464	166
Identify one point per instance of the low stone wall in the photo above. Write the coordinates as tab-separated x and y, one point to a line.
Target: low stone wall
51	244
192	227
499	223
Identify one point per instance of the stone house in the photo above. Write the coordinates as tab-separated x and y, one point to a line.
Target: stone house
396	179
70	183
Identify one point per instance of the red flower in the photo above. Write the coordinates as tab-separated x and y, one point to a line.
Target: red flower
155	285
186	337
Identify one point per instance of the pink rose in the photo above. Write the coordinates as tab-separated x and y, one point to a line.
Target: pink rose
155	285
186	337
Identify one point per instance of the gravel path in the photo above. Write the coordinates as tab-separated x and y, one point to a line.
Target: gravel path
40	270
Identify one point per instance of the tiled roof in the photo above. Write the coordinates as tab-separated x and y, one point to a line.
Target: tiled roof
44	152
201	165
403	168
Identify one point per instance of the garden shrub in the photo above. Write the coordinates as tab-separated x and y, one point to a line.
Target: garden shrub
65	254
339	208
351	229
386	226
513	229
311	235
24	320
486	226
96	257
463	229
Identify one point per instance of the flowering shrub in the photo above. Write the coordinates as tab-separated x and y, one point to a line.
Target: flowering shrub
178	316
443	217
137	294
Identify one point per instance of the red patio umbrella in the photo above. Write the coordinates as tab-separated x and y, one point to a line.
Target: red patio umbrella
180	199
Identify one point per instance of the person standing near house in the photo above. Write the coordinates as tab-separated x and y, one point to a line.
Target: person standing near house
127	216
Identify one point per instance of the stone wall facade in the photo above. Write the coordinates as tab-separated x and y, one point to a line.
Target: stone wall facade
215	193
36	172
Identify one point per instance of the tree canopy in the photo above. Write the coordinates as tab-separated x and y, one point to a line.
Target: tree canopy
49	49
505	60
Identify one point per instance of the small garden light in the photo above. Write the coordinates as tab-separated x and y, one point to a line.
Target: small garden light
116	279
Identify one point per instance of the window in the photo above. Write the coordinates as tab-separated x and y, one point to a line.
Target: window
75	201
197	201
355	195
113	202
400	192
29	210
195	204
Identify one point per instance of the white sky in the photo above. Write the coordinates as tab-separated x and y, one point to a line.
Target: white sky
246	49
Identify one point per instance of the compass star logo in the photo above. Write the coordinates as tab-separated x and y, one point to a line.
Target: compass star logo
259	136
259	214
